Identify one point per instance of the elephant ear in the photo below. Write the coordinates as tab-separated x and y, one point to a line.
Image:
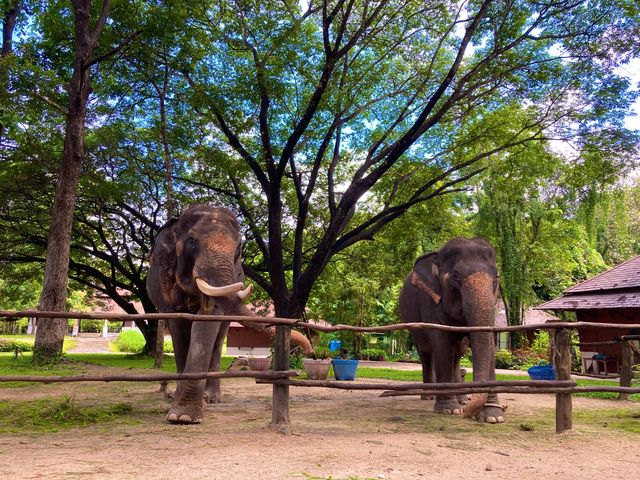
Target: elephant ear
163	252
425	276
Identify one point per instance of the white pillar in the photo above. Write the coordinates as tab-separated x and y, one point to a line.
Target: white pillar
105	329
76	328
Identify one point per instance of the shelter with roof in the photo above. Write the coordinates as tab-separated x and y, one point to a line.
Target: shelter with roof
610	297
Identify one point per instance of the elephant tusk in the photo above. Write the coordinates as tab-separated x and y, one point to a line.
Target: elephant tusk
218	291
243	294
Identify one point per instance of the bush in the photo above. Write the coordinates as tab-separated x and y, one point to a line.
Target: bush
130	341
372	354
505	359
527	357
13	345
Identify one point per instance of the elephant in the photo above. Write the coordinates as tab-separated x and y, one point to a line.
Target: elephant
195	266
456	286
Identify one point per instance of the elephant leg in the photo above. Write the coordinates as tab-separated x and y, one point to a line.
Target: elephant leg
180	337
444	360
459	376
427	371
484	370
212	392
188	401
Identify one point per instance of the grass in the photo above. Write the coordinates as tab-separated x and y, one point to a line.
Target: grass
416	376
52	415
29	340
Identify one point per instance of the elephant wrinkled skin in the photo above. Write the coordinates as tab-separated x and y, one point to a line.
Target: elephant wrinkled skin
455	286
195	267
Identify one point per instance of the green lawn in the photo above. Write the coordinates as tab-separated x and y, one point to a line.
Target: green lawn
75	365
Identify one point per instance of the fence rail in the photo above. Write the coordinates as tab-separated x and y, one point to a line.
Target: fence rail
281	379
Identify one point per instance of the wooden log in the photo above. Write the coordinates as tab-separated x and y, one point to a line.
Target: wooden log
467	391
626	373
515	389
149	378
439	387
311	326
280	420
561	348
149	316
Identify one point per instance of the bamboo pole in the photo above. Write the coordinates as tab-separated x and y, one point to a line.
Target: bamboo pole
626	374
149	378
280	420
294	322
439	387
562	363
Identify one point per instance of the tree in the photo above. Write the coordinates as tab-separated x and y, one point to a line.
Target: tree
50	334
331	121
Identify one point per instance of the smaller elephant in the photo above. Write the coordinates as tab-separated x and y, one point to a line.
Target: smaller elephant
195	267
455	286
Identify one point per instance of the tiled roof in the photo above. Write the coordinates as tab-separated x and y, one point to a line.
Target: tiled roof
615	288
625	275
587	301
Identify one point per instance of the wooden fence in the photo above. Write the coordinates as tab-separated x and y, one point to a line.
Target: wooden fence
281	379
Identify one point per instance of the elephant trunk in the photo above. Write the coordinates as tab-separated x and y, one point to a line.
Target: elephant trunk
234	307
479	308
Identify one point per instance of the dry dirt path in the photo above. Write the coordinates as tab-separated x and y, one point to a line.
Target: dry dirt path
335	434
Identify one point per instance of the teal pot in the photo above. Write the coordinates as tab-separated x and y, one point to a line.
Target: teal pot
344	369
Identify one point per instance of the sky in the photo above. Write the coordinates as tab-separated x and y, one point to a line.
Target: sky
632	71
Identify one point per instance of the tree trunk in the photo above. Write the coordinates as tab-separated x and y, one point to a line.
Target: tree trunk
168	172
50	334
10	16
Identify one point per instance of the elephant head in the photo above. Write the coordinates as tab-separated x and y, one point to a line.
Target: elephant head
200	267
201	253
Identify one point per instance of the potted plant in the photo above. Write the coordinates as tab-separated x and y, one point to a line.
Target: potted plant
317	364
259	363
344	366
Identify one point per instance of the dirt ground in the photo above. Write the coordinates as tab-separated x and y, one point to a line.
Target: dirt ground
335	434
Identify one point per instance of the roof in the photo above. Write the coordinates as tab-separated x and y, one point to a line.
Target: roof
615	288
531	317
625	275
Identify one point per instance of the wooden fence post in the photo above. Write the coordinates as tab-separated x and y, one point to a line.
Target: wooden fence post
562	364
625	369
280	420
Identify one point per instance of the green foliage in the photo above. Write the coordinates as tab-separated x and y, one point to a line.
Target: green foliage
7	345
505	359
541	344
132	341
50	415
372	354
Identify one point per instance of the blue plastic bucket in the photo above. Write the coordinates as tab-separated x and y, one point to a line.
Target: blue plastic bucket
335	345
542	372
344	369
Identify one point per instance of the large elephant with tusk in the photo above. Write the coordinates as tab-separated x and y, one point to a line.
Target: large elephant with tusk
195	267
455	286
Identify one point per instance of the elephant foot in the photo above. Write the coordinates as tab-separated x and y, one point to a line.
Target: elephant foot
491	413
186	414
448	407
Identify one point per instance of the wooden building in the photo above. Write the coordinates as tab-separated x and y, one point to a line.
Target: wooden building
610	297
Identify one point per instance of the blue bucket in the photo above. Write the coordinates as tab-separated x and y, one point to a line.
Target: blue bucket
542	372
344	369
335	345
